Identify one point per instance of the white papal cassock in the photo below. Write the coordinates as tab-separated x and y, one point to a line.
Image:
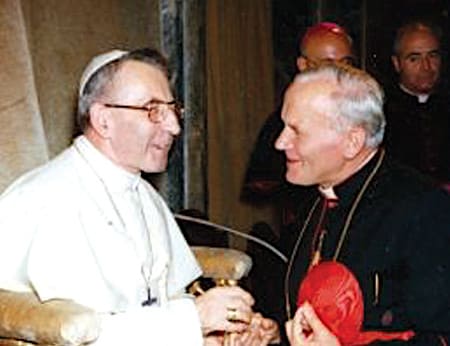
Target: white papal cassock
67	231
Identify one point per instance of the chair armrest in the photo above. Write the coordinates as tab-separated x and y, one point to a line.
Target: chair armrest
54	322
222	263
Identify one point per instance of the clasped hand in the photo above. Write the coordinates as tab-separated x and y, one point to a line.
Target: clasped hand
306	329
229	310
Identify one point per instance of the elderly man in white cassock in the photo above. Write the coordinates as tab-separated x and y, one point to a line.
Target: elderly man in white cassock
87	227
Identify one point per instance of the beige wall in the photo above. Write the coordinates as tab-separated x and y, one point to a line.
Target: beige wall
22	140
63	35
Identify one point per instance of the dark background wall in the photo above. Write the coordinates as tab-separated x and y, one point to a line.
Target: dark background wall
371	23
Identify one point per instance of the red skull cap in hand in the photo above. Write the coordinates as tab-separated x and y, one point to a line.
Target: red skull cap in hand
336	297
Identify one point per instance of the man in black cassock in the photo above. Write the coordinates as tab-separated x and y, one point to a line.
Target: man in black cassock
418	104
386	222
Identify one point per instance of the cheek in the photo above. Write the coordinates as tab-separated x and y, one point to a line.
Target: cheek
142	134
131	138
123	128
411	71
320	148
436	66
326	159
303	146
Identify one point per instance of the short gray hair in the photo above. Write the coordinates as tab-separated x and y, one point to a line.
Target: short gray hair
96	85
357	98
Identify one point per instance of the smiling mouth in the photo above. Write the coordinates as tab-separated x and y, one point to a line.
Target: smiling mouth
163	148
290	159
163	145
296	164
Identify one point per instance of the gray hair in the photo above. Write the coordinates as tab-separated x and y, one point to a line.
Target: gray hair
357	99
97	84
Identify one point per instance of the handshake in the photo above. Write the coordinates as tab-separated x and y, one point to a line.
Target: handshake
227	318
225	311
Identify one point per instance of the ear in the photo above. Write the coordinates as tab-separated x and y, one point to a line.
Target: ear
302	63
395	62
355	142
99	119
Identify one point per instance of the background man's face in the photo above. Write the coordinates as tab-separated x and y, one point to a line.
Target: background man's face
418	61
327	47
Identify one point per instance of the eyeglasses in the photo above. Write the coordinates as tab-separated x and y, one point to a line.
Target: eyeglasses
157	110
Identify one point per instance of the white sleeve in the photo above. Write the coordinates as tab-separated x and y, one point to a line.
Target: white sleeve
175	324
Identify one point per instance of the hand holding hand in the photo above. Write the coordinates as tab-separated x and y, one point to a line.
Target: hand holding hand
224	309
260	332
306	329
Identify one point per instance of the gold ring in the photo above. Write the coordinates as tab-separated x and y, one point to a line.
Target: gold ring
232	315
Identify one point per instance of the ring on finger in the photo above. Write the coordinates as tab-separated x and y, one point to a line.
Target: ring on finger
232	315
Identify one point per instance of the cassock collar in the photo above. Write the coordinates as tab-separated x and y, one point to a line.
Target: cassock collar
348	189
421	98
115	178
328	192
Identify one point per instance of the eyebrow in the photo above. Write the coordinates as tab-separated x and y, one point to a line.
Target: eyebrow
158	101
288	123
413	54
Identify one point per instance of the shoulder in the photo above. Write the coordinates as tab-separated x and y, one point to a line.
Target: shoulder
404	187
56	176
397	99
38	199
399	178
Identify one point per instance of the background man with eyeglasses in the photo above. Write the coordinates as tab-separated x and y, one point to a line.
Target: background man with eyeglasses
87	227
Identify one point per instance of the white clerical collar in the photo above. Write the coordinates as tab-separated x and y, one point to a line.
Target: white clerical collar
116	178
328	192
421	98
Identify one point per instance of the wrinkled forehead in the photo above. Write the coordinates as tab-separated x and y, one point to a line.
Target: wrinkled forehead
141	78
305	98
422	38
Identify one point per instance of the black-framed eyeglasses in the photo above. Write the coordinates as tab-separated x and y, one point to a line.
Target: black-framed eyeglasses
156	109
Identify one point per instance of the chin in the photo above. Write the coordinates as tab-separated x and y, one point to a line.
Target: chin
152	168
154	163
299	179
425	89
295	179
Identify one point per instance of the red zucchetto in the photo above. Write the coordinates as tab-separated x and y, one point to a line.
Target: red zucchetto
334	293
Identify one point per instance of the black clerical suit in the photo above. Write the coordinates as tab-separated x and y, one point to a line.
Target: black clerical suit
397	245
418	134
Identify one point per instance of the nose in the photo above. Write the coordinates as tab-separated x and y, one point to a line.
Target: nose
171	123
282	142
426	63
